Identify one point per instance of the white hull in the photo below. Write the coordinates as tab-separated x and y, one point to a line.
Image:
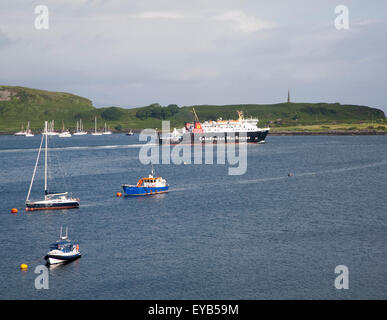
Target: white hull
64	135
51	133
61	257
54	261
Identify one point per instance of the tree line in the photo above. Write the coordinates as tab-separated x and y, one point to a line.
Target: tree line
157	111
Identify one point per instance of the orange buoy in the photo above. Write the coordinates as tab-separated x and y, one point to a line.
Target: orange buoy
119	194
14	210
24	266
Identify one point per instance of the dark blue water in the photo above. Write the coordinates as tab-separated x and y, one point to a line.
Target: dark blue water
262	235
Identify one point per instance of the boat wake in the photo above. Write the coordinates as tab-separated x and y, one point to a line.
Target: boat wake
308	174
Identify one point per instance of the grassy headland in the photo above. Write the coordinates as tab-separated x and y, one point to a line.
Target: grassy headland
19	105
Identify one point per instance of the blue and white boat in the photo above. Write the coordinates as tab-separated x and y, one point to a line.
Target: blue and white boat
64	250
146	186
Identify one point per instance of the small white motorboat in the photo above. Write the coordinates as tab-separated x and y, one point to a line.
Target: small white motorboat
63	250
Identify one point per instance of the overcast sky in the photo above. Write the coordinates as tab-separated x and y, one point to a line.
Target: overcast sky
133	53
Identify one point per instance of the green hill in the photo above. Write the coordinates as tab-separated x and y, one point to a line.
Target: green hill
19	105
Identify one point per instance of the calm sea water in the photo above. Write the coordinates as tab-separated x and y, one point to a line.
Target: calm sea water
262	235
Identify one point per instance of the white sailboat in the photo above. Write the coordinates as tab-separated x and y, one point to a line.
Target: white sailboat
64	133
50	131
20	133
79	131
106	130
28	131
96	133
52	200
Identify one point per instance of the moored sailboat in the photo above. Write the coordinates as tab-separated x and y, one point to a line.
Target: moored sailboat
106	130
28	131
20	133
50	129
96	133
80	131
65	133
52	200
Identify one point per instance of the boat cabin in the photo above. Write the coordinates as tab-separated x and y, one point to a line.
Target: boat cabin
64	246
150	182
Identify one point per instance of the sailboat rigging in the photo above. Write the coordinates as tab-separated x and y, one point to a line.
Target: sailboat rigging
106	130
65	133
96	133
51	200
79	131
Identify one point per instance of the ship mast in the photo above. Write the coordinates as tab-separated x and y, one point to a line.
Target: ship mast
45	160
195	115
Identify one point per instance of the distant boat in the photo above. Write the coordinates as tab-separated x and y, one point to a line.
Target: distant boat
21	132
96	133
146	186
130	133
50	131
79	131
63	250
64	133
106	130
28	131
52	200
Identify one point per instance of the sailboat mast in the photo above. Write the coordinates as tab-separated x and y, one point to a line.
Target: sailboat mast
95	126
45	160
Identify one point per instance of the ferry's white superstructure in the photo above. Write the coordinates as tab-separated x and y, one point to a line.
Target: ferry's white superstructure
240	130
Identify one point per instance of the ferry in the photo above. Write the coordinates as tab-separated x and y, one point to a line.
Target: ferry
146	186
226	131
63	250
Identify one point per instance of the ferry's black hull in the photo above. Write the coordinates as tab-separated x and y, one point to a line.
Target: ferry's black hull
219	137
